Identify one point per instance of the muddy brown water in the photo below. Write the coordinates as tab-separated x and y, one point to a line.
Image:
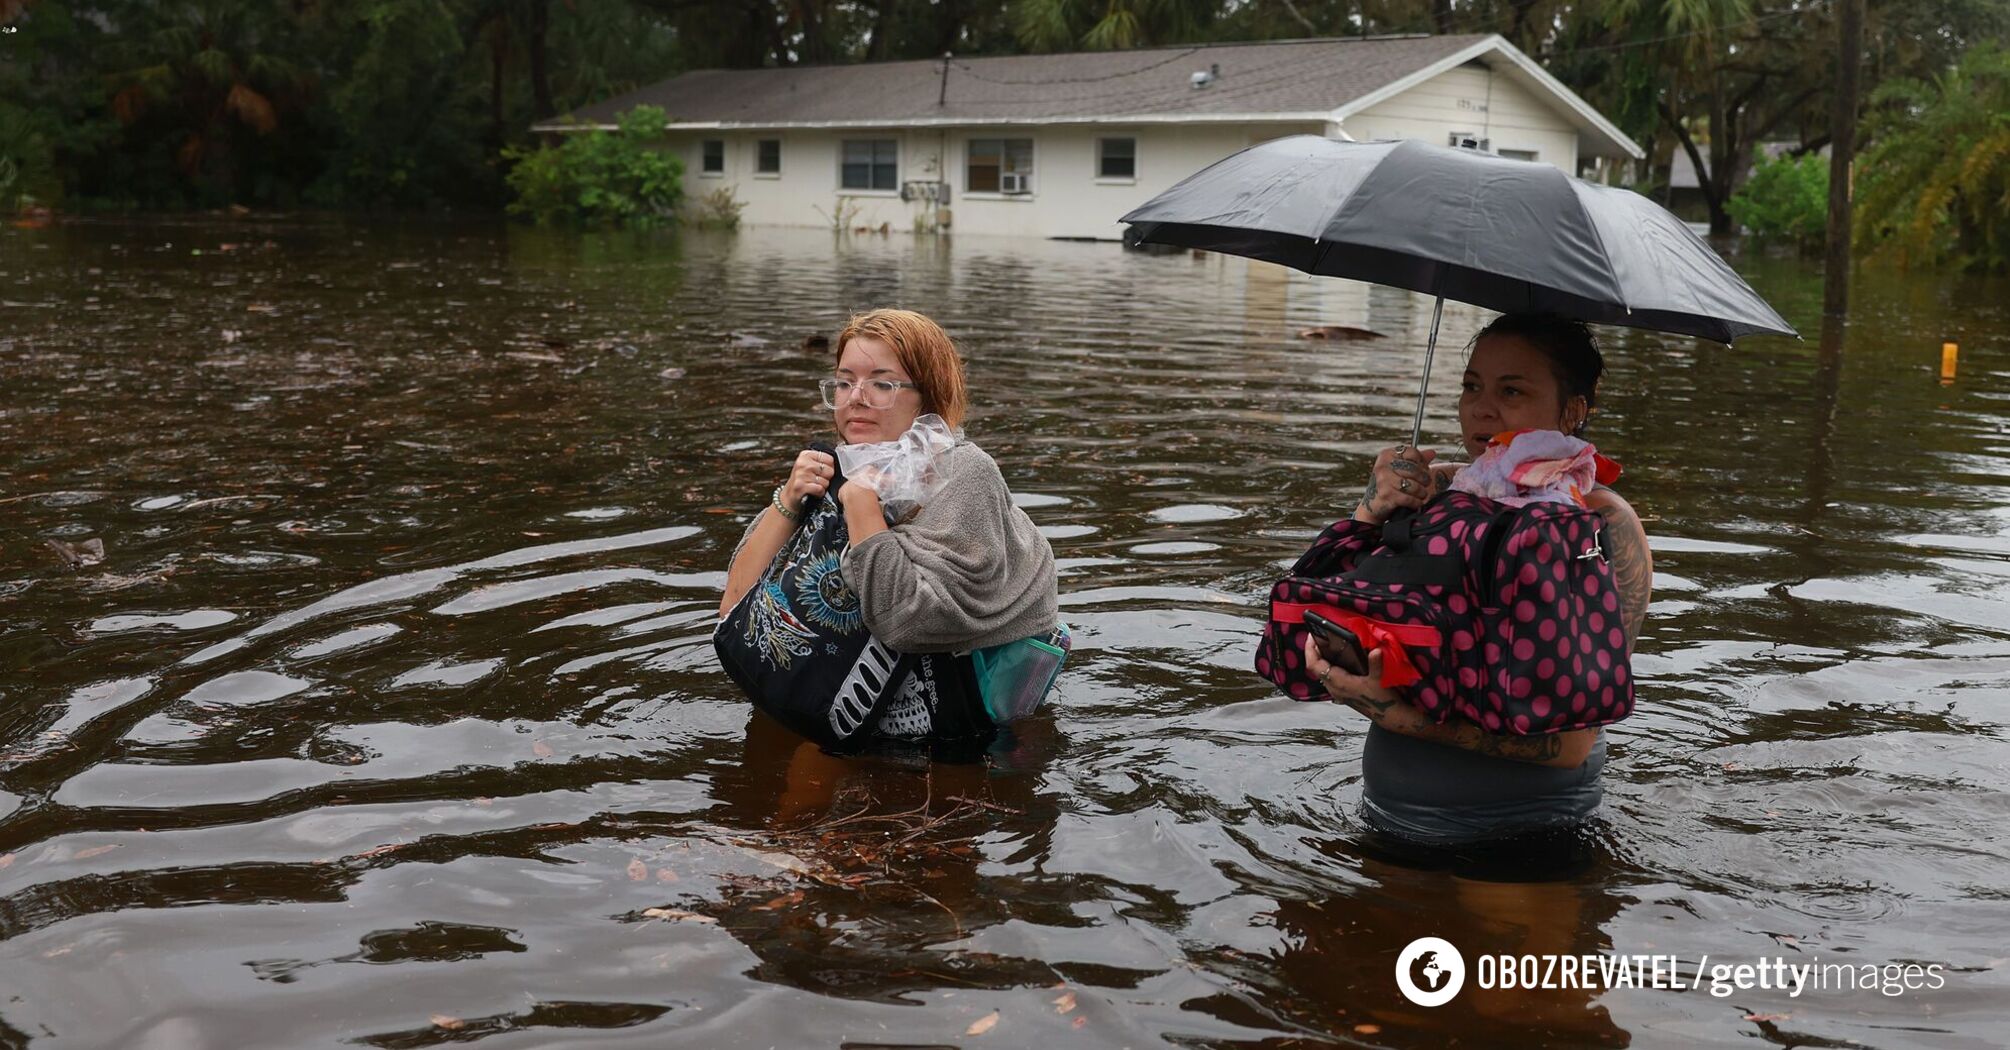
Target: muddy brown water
390	717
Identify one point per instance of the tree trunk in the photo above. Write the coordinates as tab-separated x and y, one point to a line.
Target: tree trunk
949	18
1716	181
540	77
1441	14
1842	149
1518	32
1704	180
498	44
814	49
881	48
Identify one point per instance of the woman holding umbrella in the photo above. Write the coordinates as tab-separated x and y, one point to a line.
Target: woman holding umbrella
1508	235
1454	782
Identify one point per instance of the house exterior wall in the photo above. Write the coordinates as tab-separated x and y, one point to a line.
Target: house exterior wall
1067	198
1463	100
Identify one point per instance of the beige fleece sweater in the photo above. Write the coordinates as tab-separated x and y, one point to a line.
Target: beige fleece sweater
968	570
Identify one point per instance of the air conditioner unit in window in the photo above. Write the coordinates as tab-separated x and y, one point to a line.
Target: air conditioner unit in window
1013	182
1468	140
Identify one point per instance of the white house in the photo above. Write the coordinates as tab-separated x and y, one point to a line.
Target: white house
1061	145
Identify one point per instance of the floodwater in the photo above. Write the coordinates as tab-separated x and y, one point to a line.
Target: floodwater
379	707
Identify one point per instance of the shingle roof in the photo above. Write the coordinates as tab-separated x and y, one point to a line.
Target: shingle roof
1298	77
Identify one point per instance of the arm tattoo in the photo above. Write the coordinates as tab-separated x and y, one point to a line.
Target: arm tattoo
1368	497
1539	750
1521	748
1632	568
1370	706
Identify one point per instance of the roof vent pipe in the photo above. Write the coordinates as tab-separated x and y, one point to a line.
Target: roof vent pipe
1204	77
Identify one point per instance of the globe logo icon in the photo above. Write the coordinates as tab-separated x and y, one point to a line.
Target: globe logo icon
1425	973
1430	971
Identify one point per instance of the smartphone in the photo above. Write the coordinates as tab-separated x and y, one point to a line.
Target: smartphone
1339	644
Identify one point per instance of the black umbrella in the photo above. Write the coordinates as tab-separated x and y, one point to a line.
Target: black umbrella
1507	235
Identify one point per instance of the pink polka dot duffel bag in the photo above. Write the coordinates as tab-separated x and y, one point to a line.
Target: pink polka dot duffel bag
1505	617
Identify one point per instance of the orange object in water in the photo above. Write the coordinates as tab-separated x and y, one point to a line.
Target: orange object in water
1948	353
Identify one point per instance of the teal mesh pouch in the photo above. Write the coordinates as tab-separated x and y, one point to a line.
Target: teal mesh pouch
1016	676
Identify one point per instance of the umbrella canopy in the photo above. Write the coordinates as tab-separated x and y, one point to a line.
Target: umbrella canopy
1507	235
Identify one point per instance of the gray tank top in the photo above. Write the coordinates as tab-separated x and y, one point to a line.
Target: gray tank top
1446	796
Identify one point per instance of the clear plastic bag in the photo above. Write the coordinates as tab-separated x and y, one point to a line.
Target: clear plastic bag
903	471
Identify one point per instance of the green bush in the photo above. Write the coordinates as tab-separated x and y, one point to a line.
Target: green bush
600	178
27	164
1786	197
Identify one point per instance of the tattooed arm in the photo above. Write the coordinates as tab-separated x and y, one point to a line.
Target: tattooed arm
1632	562
1384	707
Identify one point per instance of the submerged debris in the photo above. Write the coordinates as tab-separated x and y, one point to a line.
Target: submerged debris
1340	332
81	554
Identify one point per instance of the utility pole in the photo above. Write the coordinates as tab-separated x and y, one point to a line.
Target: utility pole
1842	150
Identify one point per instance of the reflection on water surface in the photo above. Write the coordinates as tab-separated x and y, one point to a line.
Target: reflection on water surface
389	714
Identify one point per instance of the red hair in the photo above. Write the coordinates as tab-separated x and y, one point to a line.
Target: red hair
925	353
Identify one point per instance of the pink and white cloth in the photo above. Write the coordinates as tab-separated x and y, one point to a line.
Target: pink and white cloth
1521	467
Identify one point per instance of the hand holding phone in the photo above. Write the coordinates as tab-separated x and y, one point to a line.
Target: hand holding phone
1338	644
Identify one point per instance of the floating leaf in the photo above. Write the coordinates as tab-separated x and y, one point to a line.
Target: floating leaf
1065	1003
448	1023
1367	1029
86	854
637	870
541	749
982	1024
677	915
665	875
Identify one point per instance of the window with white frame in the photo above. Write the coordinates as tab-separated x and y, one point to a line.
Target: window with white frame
998	166
768	157
1117	158
870	164
712	159
1518	154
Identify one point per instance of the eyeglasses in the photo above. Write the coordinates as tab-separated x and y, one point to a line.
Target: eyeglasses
876	393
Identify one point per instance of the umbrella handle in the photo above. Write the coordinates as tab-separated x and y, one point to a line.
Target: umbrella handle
1430	351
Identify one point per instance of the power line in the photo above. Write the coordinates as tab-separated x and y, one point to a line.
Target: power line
974	75
1237	80
1464	23
1696	32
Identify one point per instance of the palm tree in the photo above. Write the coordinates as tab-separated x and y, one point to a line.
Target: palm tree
1935	183
210	71
1103	25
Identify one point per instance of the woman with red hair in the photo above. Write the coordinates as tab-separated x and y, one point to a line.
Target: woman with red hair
965	571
